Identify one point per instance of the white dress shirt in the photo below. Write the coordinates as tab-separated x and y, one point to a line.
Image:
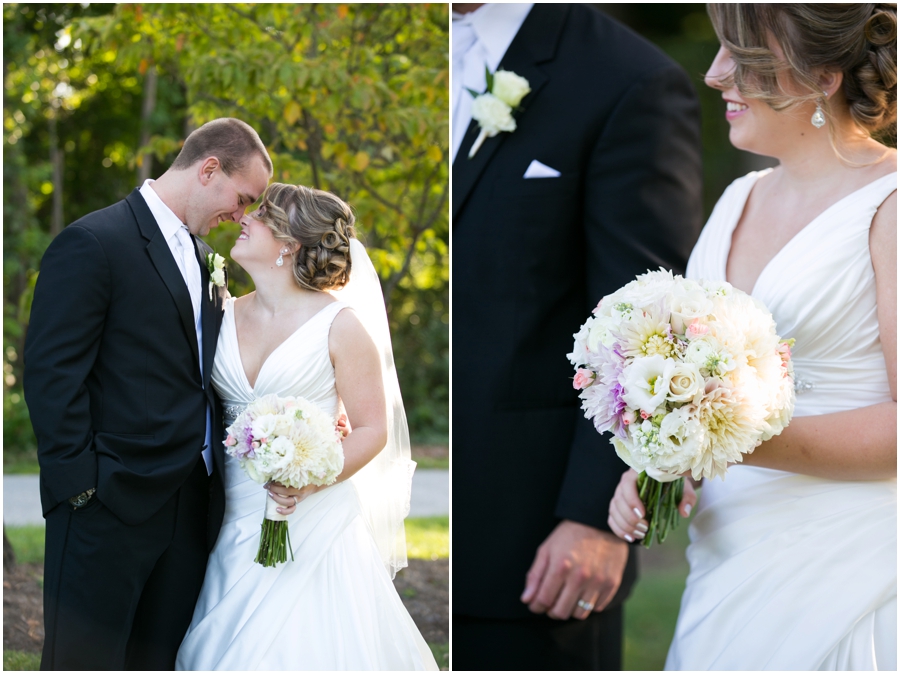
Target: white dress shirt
178	236
480	39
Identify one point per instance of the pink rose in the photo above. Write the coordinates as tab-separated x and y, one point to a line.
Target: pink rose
696	329
583	379
784	350
254	444
645	415
230	441
628	417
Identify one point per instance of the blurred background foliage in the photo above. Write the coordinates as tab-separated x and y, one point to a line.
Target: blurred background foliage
347	98
684	32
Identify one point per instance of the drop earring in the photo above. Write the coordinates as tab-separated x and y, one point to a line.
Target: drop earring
818	118
280	261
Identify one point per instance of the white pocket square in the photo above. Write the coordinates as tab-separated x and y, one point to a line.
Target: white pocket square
538	170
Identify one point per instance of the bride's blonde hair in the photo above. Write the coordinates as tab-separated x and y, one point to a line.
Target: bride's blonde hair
858	39
321	223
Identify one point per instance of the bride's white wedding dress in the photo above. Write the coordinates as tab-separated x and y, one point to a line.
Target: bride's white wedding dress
334	606
790	572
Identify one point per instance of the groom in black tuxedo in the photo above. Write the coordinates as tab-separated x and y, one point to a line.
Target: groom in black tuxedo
600	181
118	359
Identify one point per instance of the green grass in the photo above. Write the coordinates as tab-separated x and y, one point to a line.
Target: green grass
441	654
28	543
428	537
19	464
428	463
20	661
652	609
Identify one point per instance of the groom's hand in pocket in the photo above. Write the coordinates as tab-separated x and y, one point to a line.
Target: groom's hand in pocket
575	563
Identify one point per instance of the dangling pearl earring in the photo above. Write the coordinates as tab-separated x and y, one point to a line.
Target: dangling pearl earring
280	260
818	118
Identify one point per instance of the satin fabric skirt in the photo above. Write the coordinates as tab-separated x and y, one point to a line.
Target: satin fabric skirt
790	572
333	607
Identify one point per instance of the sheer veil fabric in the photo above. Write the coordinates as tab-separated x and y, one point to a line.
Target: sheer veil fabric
788	571
385	483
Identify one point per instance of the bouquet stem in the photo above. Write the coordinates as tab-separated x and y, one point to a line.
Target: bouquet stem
660	501
274	539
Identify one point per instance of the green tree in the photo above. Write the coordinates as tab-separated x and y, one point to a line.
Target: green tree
348	98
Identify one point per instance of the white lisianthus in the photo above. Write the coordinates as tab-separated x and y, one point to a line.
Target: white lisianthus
263	426
646	382
492	114
510	88
281	448
681	436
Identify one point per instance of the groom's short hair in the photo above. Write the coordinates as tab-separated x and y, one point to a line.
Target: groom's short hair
230	140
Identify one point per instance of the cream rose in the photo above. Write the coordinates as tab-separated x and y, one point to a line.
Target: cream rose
510	88
492	114
685	383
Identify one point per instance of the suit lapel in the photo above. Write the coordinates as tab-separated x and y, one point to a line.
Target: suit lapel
166	267
535	43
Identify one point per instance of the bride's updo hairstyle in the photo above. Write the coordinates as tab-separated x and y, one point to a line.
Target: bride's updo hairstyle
321	223
860	40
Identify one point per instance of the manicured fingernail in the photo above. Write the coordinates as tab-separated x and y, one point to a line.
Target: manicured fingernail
629	538
638	513
639	534
687	509
279	510
641	527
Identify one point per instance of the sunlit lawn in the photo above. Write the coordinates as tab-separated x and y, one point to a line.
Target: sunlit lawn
28	543
19	661
652	609
428	537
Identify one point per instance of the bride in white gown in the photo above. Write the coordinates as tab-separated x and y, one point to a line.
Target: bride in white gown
793	557
334	606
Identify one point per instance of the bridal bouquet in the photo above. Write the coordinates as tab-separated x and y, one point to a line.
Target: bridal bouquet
687	376
287	440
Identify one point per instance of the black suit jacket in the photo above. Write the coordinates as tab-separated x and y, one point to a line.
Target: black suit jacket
531	259
112	371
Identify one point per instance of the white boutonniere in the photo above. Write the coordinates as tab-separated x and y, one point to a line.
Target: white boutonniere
215	263
493	110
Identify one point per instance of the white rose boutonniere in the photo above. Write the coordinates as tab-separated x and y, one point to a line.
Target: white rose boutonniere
215	263
493	110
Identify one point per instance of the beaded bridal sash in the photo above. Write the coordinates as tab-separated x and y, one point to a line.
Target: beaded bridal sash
232	411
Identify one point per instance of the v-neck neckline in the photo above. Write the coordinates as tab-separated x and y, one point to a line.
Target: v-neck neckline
809	225
252	387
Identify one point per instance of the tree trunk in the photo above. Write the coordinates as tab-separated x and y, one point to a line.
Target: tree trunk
9	555
146	166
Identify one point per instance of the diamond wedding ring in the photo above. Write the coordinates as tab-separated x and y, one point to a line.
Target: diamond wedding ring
586	605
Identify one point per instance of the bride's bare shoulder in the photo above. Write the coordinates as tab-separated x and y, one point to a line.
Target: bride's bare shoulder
348	334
